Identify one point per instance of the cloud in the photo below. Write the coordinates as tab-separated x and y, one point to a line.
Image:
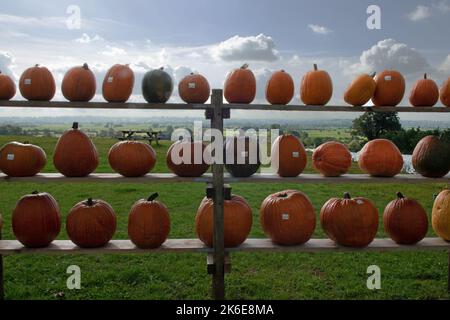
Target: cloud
24	21
112	51
6	63
442	6
319	29
445	66
85	38
420	13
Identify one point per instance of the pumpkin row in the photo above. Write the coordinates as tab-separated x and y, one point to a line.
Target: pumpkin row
287	218
79	84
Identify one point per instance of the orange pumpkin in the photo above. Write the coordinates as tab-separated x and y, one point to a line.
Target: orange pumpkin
280	88
240	86
381	158
288	156
425	93
37	83
445	93
332	159
7	87
79	84
187	165
132	158
390	89
22	159
441	215
118	83
316	88
361	90
194	88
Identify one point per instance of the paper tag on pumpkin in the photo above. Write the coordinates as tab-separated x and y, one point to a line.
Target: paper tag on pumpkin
359	202
285	216
387	78
110	79
296	154
191	85
10	157
27	82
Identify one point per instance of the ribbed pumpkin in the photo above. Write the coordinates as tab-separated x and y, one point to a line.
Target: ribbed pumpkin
405	220
157	86
361	90
425	93
288	156
118	83
240	86
390	89
350	222
242	157
91	223
431	157
194	88
288	217
381	158
441	215
187	165
237	221
332	159
75	155
36	220
37	83
132	158
445	93
148	223
79	84
22	159
280	88
7	87
316	88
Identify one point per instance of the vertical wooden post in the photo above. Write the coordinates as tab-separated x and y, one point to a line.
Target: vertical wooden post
2	287
448	273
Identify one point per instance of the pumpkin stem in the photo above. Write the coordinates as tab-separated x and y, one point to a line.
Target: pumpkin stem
282	195
192	73
0	71
245	66
347	195
282	70
162	68
35	192
400	195
373	74
90	202
75	126
153	197
26	142
315	67
37	65
85	66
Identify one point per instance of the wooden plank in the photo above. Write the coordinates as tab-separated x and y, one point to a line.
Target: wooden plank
2	284
334	108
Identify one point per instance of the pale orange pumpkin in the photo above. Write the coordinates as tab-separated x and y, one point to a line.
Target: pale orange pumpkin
425	93
390	89
332	159
381	158
316	88
240	86
445	93
194	88
361	90
280	88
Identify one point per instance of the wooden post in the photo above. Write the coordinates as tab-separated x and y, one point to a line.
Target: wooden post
2	286
448	273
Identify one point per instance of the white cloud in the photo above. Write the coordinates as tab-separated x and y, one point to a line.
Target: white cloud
319	29
6	63
86	39
420	13
113	51
442	6
24	21
445	66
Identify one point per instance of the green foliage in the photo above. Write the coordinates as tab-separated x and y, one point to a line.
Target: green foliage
355	146
373	124
406	140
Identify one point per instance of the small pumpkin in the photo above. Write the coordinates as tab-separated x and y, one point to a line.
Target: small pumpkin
91	223
332	159
149	223
79	84
431	157
390	89
288	156
350	222
118	83
132	158
381	158
75	155
280	88
157	86
7	87
425	93
194	88
316	88
22	159
240	86
36	220
242	157
445	93
191	164
361	90
37	83
441	215
288	217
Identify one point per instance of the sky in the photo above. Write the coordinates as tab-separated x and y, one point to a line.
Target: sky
214	37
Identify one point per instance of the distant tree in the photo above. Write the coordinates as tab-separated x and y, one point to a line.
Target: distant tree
373	124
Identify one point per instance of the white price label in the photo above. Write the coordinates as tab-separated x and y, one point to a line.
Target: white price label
296	154
110	79
10	157
27	82
285	216
191	85
387	78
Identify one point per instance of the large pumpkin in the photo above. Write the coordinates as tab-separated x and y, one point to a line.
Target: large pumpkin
350	222
37	83
194	88
288	217
240	86
237	221
280	88
316	88
441	215
22	159
332	159
157	86
361	90
431	157
7	87
288	156
405	220
91	223
390	89
79	84
381	158
75	155
132	158
189	164
242	157
118	83
36	220
425	93
148	223
445	93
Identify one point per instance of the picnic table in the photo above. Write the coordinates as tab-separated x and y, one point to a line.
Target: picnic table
136	135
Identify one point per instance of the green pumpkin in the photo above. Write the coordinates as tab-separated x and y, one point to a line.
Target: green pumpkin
157	86
431	157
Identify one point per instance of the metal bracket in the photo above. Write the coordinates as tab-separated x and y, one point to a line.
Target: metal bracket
210	191
211	266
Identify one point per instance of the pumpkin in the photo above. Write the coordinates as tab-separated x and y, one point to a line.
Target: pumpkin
37	83
75	155
157	86
405	220
7	87
240	86
440	219
280	88
132	158
425	93
445	93
36	220
148	223
431	157
381	158
390	89
79	84
237	216
118	83
191	164
194	88
242	157
22	159
361	90
350	222
316	88
288	217
288	156
332	159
